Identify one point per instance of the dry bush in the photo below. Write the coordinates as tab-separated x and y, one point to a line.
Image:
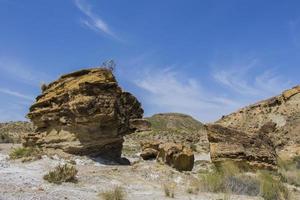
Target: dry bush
290	171
62	173
272	188
228	178
26	153
115	194
169	189
193	187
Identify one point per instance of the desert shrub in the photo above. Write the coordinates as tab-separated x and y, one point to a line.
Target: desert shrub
243	185
290	170
27	153
169	190
115	194
62	173
6	138
193	187
227	177
272	188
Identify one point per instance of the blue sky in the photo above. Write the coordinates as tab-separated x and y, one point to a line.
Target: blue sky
205	58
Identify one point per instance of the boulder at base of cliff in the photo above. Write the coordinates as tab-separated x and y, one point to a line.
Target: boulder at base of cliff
85	113
177	156
256	150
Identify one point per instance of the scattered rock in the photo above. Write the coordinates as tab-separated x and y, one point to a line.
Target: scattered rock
177	156
230	144
85	113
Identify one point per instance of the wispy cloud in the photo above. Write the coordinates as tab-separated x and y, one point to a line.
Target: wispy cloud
16	94
170	91
245	80
93	21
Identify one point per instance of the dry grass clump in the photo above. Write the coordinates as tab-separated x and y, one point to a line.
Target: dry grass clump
272	188
228	178
26	153
193	187
62	173
116	193
169	189
290	171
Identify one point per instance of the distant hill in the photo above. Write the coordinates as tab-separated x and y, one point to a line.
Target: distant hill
174	122
11	132
174	127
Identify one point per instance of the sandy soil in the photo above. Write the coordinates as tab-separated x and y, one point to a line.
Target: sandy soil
142	180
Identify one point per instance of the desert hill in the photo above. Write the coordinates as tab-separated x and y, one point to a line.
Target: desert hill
283	110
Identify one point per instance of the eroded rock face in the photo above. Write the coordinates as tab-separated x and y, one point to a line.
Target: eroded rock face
230	144
283	110
177	156
84	112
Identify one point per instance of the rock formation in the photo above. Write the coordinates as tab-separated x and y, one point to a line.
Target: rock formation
257	149
177	156
84	112
283	110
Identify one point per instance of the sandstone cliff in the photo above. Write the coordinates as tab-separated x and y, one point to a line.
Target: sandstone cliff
283	110
84	112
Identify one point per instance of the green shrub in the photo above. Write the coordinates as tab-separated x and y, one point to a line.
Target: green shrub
115	194
272	188
62	173
27	153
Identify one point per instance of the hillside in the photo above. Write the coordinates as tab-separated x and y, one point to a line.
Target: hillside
172	127
13	131
284	110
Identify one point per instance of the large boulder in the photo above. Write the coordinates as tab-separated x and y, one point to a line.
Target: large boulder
176	155
84	112
257	150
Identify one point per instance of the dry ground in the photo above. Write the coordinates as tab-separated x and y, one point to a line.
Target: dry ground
142	180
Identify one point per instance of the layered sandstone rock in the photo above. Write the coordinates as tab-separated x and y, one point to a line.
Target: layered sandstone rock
283	110
255	149
177	156
84	112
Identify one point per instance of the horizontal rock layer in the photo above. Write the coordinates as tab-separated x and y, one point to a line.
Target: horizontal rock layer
84	112
229	144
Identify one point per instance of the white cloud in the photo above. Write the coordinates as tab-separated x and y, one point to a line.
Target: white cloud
93	21
170	91
16	94
243	80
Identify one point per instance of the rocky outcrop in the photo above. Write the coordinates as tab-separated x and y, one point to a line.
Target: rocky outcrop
175	155
150	149
257	149
84	112
283	110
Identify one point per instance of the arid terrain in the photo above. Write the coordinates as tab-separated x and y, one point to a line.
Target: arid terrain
87	139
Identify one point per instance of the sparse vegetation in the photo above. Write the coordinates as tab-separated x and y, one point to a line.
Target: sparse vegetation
290	171
62	173
26	153
272	188
193	187
116	193
169	190
228	178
